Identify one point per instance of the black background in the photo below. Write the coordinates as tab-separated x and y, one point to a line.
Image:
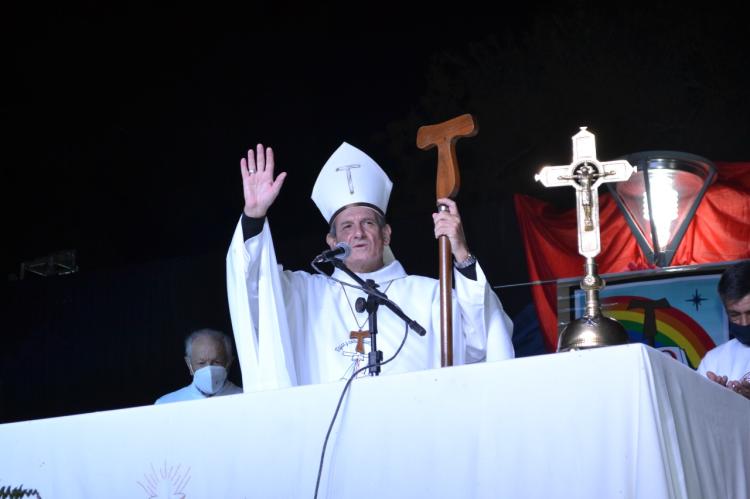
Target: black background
123	128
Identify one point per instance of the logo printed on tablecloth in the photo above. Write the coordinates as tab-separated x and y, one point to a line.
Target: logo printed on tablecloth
166	482
18	491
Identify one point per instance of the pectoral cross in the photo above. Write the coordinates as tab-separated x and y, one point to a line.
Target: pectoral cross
586	174
360	337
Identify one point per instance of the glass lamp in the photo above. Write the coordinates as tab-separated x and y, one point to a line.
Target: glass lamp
660	199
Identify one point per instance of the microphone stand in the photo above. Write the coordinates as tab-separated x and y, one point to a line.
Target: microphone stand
375	357
374	299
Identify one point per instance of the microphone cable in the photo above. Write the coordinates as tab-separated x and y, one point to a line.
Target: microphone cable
341	399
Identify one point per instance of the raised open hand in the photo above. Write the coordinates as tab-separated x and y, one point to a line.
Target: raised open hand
258	185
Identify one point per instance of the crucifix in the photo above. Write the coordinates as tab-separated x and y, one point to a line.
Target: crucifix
586	173
445	135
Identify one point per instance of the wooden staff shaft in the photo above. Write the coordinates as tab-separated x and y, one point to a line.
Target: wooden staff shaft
444	136
445	257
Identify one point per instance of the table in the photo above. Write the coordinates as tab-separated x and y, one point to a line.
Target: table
614	422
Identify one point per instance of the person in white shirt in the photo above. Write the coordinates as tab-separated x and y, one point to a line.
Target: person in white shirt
295	328
208	355
729	363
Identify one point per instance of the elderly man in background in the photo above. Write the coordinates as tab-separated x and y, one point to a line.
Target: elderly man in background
208	355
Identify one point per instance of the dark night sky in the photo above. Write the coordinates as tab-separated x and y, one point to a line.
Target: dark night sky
124	126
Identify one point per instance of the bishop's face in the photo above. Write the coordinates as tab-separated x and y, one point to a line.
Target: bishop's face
358	227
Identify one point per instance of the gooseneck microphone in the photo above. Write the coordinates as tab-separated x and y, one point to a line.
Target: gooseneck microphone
341	251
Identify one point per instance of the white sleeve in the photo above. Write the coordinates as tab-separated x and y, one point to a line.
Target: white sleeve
703	367
486	326
259	319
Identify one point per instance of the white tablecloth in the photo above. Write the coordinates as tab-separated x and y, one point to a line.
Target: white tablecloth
616	422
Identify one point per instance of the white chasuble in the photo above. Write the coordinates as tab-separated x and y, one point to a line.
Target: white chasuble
295	328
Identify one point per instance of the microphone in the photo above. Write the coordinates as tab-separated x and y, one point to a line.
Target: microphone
340	252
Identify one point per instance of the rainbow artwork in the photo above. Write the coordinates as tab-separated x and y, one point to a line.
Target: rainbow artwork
672	327
681	316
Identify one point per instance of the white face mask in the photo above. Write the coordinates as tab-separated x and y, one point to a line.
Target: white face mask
210	379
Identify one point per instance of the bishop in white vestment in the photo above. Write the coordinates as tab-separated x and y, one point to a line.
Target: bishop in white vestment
294	328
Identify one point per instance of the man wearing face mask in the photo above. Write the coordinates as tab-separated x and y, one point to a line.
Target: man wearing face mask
729	364
208	355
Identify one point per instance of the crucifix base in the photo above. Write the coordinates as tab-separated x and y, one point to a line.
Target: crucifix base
591	332
593	329
586	174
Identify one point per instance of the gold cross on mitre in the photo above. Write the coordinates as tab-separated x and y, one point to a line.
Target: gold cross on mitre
586	174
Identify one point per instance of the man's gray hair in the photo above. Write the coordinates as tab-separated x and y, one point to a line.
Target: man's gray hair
211	333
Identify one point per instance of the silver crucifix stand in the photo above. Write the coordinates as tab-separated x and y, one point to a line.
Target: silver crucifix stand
586	174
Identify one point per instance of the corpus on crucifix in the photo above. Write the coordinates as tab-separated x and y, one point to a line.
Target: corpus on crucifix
586	173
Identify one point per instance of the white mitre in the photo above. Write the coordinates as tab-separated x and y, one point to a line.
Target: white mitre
351	177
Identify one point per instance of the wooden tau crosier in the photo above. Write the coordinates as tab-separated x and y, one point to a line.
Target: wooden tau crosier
445	135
